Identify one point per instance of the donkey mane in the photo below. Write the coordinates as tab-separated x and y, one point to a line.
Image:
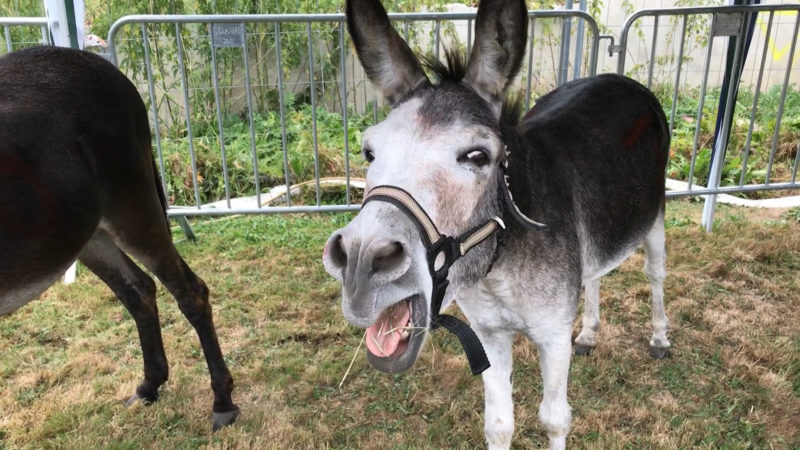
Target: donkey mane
454	68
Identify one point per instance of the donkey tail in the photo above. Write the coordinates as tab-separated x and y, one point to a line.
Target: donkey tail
162	196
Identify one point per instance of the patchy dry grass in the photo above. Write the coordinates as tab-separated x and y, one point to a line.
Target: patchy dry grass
70	360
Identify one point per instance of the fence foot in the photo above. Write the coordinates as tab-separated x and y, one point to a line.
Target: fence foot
186	227
709	207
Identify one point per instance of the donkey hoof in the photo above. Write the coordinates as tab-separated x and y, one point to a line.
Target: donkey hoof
132	400
659	352
221	419
136	397
147	401
583	350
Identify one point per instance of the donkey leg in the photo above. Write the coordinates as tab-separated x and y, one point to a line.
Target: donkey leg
137	292
554	411
154	249
498	425
192	296
585	341
656	271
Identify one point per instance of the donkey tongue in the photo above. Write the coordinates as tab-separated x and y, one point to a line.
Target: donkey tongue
386	333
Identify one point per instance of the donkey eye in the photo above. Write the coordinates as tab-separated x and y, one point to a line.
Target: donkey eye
369	155
476	156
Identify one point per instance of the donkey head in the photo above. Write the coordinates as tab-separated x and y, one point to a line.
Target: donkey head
441	144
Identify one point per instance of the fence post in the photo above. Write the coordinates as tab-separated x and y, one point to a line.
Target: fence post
738	44
65	22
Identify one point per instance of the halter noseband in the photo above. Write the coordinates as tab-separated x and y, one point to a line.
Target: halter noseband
450	249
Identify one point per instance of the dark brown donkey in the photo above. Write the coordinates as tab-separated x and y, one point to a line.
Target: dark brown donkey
78	180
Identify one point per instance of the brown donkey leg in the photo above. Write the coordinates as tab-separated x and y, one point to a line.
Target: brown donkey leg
161	257
137	291
140	229
192	296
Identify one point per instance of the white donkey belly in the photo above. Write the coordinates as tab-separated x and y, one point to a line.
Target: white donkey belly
593	268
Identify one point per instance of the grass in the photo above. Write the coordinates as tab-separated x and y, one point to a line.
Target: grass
69	360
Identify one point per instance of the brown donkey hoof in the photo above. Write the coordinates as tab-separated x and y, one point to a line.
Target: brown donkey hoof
221	419
582	350
659	352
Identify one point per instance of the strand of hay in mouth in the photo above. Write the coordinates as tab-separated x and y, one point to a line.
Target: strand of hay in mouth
374	341
358	349
378	344
404	328
352	360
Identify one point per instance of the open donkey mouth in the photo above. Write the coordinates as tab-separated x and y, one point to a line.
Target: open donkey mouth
394	340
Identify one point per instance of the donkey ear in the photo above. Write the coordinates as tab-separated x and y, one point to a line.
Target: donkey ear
386	58
500	35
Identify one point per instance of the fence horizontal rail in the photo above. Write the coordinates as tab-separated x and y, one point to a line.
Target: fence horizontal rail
7	23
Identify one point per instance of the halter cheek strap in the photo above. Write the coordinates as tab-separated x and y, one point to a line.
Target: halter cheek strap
445	250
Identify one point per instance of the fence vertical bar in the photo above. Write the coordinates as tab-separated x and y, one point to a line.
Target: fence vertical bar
437	38
576	70
796	163
594	55
528	92
700	105
188	114
344	113
469	36
721	141
783	99
217	102
563	60
313	112
756	95
45	35
652	53
677	78
7	34
248	87
154	107
282	109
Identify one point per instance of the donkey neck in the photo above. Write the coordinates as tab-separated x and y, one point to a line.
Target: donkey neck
539	184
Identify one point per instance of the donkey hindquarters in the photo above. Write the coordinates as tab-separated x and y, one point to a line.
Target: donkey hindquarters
78	180
617	194
589	161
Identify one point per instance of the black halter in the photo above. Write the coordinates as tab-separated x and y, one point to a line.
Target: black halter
448	250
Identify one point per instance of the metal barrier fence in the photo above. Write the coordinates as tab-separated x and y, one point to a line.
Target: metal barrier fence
214	83
17	32
728	156
244	102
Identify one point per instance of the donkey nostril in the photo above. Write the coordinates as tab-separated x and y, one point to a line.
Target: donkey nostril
387	257
336	252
